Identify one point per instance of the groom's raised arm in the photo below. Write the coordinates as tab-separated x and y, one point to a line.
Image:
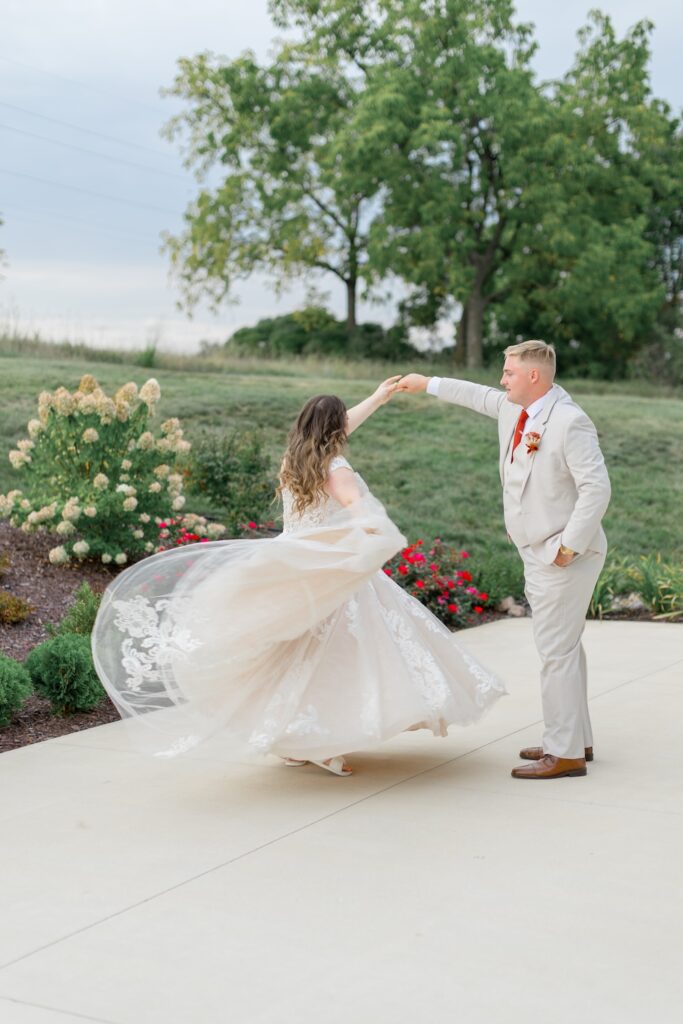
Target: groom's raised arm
478	397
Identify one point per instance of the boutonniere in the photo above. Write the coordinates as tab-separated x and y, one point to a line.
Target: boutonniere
532	441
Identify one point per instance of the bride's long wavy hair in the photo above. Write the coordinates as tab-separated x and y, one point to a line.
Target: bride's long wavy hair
318	434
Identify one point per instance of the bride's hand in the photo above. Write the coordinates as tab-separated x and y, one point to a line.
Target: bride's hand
386	389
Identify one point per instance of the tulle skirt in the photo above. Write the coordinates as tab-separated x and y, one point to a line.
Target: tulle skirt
297	645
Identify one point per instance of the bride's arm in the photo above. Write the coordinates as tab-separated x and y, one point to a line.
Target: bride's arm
359	413
343	486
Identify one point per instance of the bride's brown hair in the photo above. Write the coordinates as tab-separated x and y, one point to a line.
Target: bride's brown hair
318	434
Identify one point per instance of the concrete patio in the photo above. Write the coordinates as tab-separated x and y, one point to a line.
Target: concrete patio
429	885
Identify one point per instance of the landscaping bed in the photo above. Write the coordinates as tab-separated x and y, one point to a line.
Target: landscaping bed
50	589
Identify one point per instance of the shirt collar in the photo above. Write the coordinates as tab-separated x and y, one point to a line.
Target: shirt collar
535	408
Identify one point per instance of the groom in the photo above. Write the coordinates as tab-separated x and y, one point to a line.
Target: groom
555	493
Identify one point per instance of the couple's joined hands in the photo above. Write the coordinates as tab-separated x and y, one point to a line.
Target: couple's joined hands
411	383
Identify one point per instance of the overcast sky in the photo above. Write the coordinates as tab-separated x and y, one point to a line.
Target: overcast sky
87	185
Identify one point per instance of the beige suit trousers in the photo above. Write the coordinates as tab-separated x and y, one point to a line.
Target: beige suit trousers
559	599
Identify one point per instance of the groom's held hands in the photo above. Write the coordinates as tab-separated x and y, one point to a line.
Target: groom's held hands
413	383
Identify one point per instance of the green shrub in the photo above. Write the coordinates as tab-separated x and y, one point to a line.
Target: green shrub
95	475
234	474
501	574
13	609
62	670
660	585
80	618
616	578
314	331
437	575
15	686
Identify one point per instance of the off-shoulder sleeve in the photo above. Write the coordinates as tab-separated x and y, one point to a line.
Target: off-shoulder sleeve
339	462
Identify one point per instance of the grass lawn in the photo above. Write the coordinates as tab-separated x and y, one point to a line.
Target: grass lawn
433	465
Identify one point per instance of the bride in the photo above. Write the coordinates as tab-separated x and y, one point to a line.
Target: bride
299	645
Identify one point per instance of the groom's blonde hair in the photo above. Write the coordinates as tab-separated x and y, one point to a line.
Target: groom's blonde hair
538	353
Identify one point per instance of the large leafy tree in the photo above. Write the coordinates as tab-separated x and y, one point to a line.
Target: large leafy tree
600	258
280	190
451	123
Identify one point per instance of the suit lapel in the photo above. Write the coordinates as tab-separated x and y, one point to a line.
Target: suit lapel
540	430
505	440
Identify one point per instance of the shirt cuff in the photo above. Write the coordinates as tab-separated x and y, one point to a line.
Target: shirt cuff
433	386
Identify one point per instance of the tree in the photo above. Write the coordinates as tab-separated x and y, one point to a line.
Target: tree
595	264
450	120
287	200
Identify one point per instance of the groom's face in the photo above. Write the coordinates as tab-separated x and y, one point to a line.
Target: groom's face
517	381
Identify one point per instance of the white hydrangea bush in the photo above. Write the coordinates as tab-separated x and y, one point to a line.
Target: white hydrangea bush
96	475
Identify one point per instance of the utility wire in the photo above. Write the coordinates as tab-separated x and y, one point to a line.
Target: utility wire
80	85
89	192
37	214
86	131
93	152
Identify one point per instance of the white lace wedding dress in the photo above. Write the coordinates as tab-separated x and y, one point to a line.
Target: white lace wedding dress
297	645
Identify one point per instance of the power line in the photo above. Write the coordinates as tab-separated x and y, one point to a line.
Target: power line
86	131
37	214
93	152
89	192
80	85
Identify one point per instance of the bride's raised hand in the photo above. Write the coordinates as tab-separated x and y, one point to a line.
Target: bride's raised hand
386	389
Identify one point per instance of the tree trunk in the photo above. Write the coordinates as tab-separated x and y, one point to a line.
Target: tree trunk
469	348
459	356
351	305
475	331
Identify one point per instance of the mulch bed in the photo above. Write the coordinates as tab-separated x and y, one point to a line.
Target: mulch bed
50	589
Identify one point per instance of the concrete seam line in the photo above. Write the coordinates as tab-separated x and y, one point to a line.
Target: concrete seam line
56	1009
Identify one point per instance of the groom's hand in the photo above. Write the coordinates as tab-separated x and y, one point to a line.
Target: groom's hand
413	383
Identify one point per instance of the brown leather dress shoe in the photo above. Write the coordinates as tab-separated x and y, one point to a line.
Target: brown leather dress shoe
549	767
536	753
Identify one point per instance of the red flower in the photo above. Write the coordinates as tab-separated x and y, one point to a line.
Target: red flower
483	597
478	609
464	575
407	552
403	569
419	542
419	583
463	554
452	607
388	572
252	525
433	566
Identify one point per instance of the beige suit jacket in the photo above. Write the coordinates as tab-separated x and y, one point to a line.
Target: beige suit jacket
566	489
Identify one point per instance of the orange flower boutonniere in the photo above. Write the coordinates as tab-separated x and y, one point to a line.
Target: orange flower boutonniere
532	441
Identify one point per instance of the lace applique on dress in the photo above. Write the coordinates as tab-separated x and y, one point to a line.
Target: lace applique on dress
421	664
351	613
314	515
161	638
486	681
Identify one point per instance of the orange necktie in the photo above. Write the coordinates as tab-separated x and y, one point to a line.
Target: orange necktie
519	430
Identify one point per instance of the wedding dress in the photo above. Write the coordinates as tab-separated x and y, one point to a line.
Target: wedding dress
297	645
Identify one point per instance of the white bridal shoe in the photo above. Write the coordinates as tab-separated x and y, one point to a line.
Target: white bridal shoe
336	765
